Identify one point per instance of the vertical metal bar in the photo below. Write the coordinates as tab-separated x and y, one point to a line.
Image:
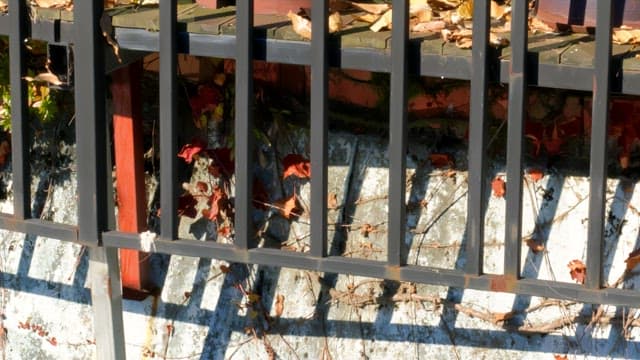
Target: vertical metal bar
90	121
168	115
93	204
478	138
599	127
517	99
398	133
319	111
244	124
106	302
19	111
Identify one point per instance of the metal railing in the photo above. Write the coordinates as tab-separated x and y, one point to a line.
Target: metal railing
482	68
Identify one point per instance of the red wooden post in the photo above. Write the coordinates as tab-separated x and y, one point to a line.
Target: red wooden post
130	185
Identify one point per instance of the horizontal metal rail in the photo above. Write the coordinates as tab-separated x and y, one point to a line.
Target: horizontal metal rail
378	269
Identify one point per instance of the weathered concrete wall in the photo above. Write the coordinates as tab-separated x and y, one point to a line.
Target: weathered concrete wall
210	309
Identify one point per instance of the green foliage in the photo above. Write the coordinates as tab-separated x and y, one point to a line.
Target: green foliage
42	102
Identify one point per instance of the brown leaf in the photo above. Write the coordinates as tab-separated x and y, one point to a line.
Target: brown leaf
335	22
53	3
187	206
295	164
499	11
301	26
560	357
279	305
225	269
578	270
465	10
534	245
633	259
332	201
368	18
536	25
47	77
367	229
502	317
383	22
499	187
289	207
433	26
376	9
626	37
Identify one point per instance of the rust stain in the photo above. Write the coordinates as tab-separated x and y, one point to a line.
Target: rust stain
503	283
392	272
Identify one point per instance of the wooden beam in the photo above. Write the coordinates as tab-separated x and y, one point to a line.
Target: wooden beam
130	182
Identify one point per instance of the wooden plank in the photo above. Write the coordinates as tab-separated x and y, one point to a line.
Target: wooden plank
45	14
128	138
358	34
209	21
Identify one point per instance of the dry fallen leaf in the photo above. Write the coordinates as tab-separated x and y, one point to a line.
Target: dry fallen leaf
279	305
376	9
433	26
53	3
465	10
633	259
332	201
384	22
499	187
47	77
499	11
578	270
534	245
368	18
335	22
536	26
367	229
502	317
301	26
626	37
289	207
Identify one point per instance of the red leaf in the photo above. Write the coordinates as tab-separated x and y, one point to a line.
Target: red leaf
260	196
187	206
202	186
289	207
206	100
499	187
560	357
578	270
295	164
223	163
52	340
535	174
5	150
219	203
553	144
224	231
439	161
188	151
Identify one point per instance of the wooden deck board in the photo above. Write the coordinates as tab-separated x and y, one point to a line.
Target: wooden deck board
571	50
